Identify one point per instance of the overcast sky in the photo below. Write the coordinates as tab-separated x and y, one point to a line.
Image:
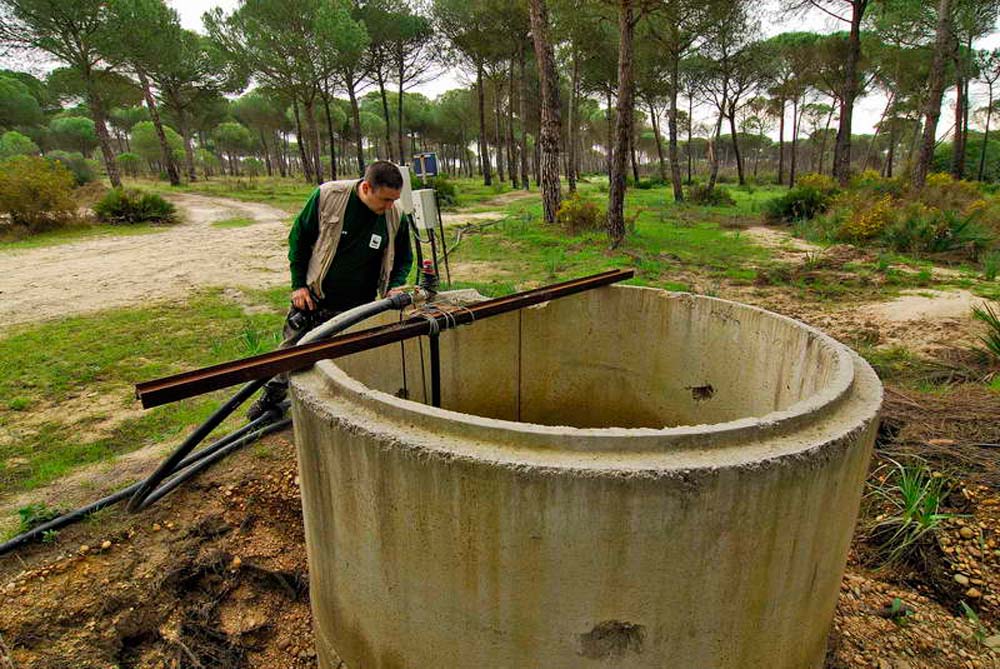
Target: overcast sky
867	109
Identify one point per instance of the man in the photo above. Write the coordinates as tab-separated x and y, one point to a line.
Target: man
349	242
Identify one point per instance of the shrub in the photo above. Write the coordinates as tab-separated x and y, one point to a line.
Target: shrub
820	182
577	214
991	340
713	197
15	144
798	204
128	205
868	220
943	192
447	193
36	193
84	171
922	229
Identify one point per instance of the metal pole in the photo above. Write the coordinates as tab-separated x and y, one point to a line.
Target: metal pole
264	366
435	369
444	241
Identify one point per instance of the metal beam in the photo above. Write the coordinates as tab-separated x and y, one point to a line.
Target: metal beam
199	381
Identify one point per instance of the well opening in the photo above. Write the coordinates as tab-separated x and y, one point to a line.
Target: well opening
645	359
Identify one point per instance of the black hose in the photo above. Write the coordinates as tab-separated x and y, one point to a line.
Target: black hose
79	514
179	465
331	327
214	457
168	466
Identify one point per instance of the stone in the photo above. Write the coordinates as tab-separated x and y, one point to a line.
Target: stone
973	593
966	533
105	545
961	579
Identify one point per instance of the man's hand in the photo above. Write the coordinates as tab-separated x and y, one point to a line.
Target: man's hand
302	300
395	291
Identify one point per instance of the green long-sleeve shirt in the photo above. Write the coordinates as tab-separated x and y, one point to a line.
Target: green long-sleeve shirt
353	275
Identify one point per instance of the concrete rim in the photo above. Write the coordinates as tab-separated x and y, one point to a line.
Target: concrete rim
807	411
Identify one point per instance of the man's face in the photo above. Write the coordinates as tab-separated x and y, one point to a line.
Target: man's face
379	199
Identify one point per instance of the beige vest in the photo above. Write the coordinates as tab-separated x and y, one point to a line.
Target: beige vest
333	199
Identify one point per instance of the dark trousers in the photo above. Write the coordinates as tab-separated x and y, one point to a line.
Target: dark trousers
297	324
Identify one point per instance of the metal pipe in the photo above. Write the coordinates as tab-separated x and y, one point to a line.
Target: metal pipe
195	382
335	324
435	351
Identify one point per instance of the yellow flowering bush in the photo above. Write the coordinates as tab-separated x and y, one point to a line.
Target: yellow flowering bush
820	182
867	221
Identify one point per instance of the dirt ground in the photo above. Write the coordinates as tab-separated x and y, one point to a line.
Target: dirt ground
49	282
216	575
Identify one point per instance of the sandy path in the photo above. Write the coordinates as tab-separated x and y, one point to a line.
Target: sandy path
50	282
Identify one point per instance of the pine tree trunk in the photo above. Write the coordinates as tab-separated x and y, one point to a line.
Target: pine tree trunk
842	149
329	130
300	136
551	109
632	151
795	141
309	105
523	113
690	159
103	139
626	92
986	136
484	149
400	73
932	108
608	143
385	114
356	120
511	146
736	144
154	115
675	167
659	142
267	154
713	175
574	82
892	152
188	148
781	144
958	146
498	133
822	143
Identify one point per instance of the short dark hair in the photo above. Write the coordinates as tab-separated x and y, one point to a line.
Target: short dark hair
383	174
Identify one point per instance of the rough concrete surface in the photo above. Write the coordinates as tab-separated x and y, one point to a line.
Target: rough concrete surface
626	478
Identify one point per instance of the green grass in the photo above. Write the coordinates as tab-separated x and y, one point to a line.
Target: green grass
74	233
667	239
291	194
236	222
912	497
101	356
287	194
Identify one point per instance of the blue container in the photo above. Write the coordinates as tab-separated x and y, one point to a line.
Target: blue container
425	164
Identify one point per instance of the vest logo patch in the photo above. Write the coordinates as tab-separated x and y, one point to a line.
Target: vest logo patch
376	242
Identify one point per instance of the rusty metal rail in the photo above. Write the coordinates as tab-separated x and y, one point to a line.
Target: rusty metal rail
199	381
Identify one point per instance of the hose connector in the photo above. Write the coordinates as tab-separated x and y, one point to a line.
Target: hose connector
428	279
